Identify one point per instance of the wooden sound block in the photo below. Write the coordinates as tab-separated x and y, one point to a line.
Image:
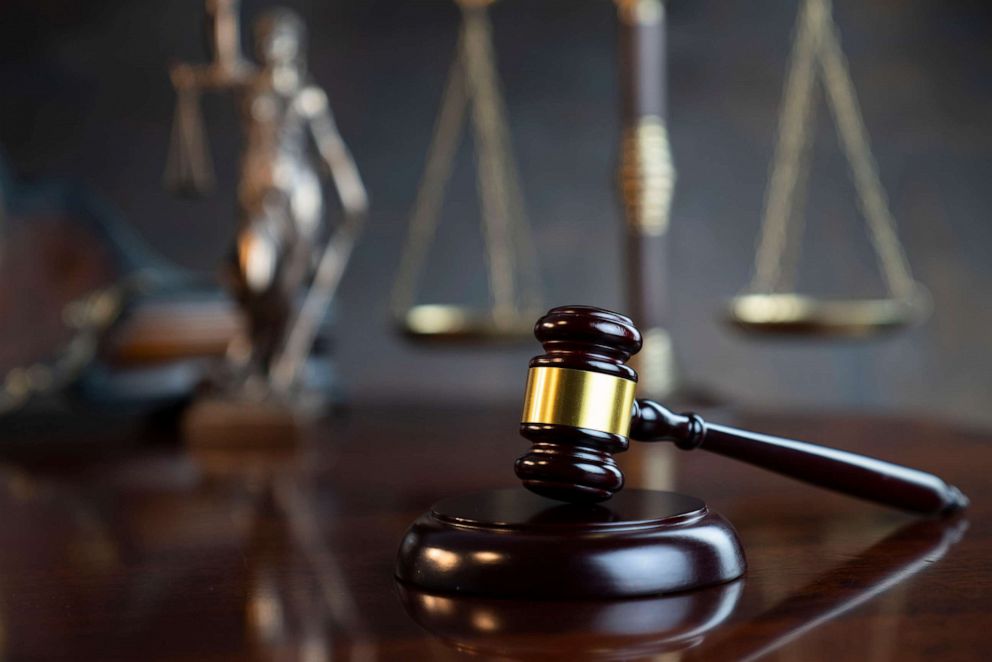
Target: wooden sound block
512	543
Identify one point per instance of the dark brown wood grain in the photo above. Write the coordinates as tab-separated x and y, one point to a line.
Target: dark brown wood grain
118	544
851	473
511	543
571	463
587	338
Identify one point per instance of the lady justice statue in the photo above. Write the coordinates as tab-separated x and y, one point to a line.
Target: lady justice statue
280	274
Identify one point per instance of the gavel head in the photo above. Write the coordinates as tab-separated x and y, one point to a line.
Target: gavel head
578	404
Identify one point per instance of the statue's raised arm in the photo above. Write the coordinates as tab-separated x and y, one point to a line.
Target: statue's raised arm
333	150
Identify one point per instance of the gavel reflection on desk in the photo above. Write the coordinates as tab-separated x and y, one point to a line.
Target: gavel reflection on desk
576	533
577	413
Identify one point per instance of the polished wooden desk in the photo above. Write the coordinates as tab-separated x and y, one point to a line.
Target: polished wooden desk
117	543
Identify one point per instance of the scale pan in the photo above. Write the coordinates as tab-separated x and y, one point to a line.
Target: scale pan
800	315
445	323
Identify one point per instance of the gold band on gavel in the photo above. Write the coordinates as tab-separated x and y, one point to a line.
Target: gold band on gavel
579	398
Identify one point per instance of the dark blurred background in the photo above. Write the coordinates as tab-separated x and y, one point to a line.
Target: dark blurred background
84	93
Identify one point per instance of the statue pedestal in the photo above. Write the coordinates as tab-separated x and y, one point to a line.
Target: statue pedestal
248	416
229	421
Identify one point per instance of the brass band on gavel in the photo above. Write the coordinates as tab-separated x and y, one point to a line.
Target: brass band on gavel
579	398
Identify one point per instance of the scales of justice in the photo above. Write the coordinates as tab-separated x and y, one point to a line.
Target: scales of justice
768	306
286	263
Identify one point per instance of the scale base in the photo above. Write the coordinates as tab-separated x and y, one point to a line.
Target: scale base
511	543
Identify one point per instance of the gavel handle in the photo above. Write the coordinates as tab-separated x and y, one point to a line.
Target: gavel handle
850	473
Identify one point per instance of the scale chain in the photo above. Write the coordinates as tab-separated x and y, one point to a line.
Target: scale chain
789	152
816	40
854	137
427	207
491	158
511	258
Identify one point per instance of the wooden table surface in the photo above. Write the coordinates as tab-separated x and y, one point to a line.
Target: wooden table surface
118	543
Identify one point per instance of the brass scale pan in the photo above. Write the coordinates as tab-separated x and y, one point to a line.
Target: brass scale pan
802	315
447	323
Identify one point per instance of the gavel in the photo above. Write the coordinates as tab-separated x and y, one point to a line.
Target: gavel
580	409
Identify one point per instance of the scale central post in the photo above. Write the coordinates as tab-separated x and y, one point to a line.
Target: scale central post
646	179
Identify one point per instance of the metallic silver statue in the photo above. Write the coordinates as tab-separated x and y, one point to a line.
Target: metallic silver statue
280	278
